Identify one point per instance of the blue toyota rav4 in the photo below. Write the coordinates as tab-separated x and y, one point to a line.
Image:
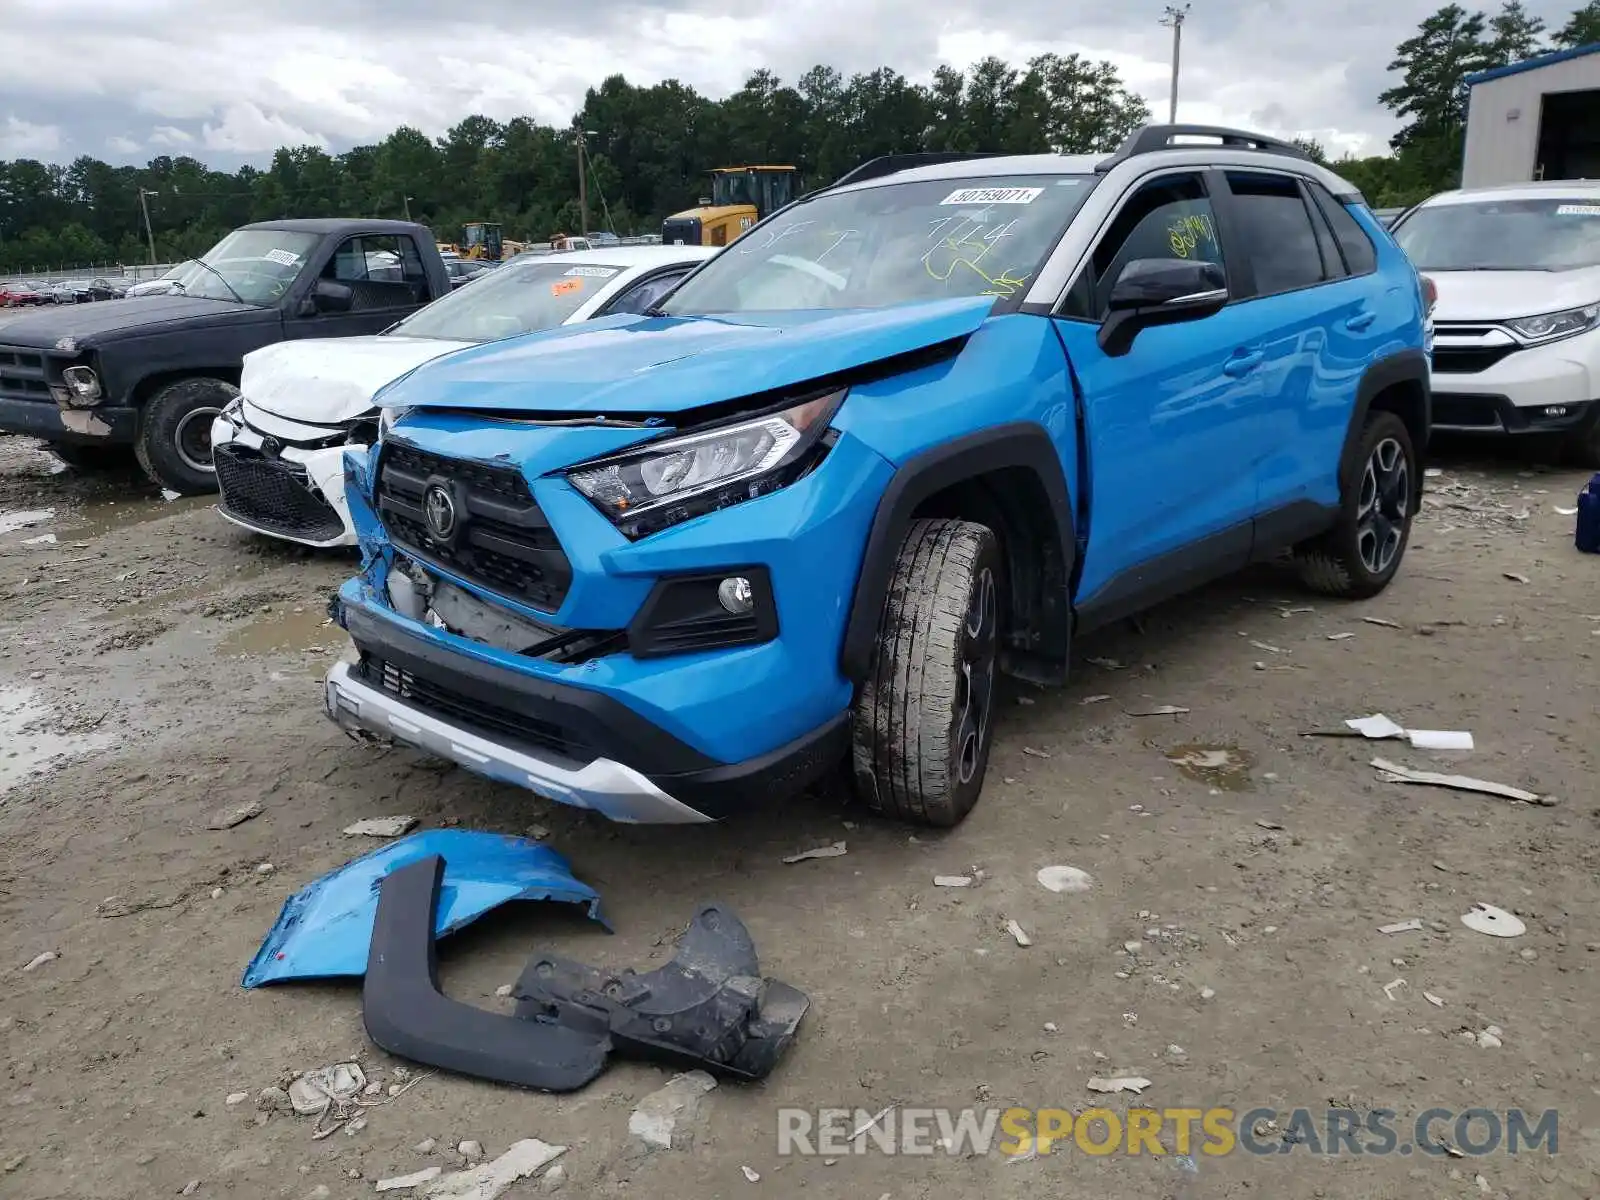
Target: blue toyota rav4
914	430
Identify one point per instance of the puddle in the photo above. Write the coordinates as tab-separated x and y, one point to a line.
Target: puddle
1225	767
27	747
283	630
10	522
98	517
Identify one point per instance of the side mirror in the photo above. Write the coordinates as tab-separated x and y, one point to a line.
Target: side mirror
1160	291
329	296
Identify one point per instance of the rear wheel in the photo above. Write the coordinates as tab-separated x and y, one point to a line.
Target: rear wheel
923	723
93	458
174	444
1360	555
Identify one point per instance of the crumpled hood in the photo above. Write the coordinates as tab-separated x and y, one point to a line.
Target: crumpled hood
46	325
1500	295
328	380
642	365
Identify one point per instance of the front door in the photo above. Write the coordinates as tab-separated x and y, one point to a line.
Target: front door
387	282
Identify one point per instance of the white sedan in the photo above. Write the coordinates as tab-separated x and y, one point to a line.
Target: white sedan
279	448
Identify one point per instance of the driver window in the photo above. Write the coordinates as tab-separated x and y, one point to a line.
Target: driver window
1169	217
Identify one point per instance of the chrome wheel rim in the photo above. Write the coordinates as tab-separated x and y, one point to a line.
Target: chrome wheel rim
975	687
192	438
1384	507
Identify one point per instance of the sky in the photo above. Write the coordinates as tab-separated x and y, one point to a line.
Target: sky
126	80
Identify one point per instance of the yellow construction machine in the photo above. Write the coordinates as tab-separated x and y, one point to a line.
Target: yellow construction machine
483	242
740	196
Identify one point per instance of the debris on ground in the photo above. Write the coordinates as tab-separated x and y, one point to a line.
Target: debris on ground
415	1179
1032	753
665	1118
471	1151
236	1098
1394	773
1119	1083
1159	710
1108	664
1096	699
1488	1039
331	1094
1496	922
1393	986
952	881
381	827
1384	621
1018	933
1515	576
834	851
751	1175
230	815
1065	879
490	1180
1411	926
1340	637
39	960
1433	1000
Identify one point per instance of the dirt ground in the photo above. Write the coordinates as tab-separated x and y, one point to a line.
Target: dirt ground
157	664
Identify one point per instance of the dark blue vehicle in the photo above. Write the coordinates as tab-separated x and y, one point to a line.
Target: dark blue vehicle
919	428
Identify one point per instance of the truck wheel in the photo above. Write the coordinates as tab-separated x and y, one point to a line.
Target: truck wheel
174	443
92	458
1360	555
923	722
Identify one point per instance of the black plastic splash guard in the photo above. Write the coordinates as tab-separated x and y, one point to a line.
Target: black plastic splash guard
707	1008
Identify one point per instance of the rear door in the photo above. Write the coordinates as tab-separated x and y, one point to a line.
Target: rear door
1172	435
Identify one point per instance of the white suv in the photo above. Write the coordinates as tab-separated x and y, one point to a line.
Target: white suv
1517	325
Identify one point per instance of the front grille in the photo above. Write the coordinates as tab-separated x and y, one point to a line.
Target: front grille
503	541
22	374
471	712
1467	412
1467	360
273	494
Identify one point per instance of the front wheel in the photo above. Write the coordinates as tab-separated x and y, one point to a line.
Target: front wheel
923	722
174	443
1358	557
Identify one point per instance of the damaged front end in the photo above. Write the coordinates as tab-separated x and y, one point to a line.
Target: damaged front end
708	1008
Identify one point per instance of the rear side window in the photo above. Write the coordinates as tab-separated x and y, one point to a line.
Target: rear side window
1359	256
1276	229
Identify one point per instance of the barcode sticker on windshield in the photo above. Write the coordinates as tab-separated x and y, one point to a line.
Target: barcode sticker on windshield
993	196
1578	210
283	258
592	272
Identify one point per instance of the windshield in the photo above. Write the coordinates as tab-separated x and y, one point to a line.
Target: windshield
1503	235
520	297
888	245
258	265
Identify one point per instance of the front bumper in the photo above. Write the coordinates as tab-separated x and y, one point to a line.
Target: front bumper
1487	387
109	424
571	744
288	491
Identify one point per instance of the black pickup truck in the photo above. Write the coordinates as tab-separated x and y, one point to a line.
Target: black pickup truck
149	373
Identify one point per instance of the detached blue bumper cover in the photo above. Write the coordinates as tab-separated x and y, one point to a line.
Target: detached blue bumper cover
325	929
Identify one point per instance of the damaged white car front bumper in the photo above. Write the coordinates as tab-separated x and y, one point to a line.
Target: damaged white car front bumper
284	478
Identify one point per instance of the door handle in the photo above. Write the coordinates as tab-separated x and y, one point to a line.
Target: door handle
1243	362
1360	321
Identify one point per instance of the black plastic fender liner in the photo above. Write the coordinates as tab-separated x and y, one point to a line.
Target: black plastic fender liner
406	1014
709	1008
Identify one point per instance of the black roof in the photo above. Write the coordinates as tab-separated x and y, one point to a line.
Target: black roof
325	225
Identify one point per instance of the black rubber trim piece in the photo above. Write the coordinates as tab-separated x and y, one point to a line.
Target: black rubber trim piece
682	615
406	1014
1016	444
723	791
1403	366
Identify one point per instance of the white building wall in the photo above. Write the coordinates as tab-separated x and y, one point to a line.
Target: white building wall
1503	119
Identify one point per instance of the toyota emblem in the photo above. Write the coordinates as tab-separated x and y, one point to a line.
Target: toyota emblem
439	509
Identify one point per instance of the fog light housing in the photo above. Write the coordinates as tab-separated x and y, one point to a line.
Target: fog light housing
736	595
83	386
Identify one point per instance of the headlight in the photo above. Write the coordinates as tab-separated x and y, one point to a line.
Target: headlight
83	383
671	481
1556	325
386	419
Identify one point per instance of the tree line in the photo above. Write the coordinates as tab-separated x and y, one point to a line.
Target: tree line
647	149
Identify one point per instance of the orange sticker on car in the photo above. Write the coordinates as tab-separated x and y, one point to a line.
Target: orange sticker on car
562	286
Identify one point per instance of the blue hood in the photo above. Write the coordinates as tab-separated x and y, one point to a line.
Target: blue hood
633	365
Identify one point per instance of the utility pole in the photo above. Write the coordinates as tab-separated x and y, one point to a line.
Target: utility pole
148	233
583	179
406	200
1174	17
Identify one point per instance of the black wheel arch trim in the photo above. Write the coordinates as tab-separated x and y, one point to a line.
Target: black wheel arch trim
1403	366
1022	445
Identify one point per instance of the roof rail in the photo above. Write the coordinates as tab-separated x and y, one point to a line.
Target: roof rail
891	164
1151	138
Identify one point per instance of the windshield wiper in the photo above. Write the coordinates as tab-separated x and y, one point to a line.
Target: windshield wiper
200	262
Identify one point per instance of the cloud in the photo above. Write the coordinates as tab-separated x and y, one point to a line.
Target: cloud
118	144
238	81
24	139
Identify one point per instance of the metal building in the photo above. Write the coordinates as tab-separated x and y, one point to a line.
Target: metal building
1538	119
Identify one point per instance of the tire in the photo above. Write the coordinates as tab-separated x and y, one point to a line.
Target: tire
1380	490
923	721
174	443
93	458
1584	450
